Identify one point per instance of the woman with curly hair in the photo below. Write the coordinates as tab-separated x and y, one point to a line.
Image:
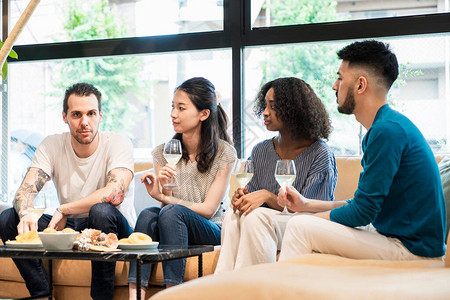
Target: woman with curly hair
252	232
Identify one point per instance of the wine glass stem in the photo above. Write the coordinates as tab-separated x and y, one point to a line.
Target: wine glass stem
172	180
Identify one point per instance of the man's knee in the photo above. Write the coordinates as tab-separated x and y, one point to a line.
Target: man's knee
8	219
304	223
100	214
102	209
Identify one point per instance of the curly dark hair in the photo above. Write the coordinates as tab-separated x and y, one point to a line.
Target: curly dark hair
374	55
298	107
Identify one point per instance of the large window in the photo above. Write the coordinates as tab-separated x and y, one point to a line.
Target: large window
137	93
80	20
292	12
138	51
421	92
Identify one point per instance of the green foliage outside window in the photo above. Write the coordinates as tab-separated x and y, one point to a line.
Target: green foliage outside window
11	54
314	63
117	78
317	64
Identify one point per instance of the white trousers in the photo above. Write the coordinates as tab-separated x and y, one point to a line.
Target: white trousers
252	239
307	234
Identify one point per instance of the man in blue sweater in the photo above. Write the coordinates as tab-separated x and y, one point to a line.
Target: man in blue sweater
398	211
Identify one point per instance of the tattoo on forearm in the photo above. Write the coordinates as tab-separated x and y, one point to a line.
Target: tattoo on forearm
38	182
115	198
118	194
41	179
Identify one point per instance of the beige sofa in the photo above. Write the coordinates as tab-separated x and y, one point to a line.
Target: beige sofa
72	278
321	276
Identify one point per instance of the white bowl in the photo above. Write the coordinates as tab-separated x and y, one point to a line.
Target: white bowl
58	241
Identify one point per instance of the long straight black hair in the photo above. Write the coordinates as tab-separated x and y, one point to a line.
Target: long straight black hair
202	93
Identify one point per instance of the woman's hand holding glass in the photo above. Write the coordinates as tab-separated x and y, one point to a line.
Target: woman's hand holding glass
243	170
166	177
172	153
243	177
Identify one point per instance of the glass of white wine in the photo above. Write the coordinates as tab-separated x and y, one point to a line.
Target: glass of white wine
285	175
36	205
172	153
246	175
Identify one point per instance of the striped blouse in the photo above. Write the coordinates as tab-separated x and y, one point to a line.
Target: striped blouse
316	170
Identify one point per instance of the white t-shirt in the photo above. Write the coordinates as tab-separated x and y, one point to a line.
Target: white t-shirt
76	177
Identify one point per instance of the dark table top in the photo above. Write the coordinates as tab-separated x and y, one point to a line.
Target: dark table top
162	253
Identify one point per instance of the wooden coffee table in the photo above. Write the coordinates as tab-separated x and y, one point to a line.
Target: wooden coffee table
140	257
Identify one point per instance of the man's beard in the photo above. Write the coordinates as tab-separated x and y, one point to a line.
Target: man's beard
82	142
79	140
349	104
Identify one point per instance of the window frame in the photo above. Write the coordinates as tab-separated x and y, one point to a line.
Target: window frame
237	34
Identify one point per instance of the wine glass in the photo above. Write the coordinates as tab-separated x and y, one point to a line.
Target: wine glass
172	153
285	176
246	175
36	205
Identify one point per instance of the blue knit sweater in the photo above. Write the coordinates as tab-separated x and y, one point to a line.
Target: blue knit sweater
399	190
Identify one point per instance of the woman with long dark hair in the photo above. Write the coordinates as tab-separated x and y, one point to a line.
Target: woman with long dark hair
253	232
193	212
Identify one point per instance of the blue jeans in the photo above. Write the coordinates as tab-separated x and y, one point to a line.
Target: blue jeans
173	225
102	216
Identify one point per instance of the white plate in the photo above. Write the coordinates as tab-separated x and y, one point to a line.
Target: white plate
14	244
152	245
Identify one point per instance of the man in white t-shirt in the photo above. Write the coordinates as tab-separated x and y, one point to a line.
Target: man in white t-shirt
91	171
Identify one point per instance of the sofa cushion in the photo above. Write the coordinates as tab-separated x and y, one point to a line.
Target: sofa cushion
191	271
349	168
13	289
295	280
444	170
334	260
67	272
142	199
8	270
